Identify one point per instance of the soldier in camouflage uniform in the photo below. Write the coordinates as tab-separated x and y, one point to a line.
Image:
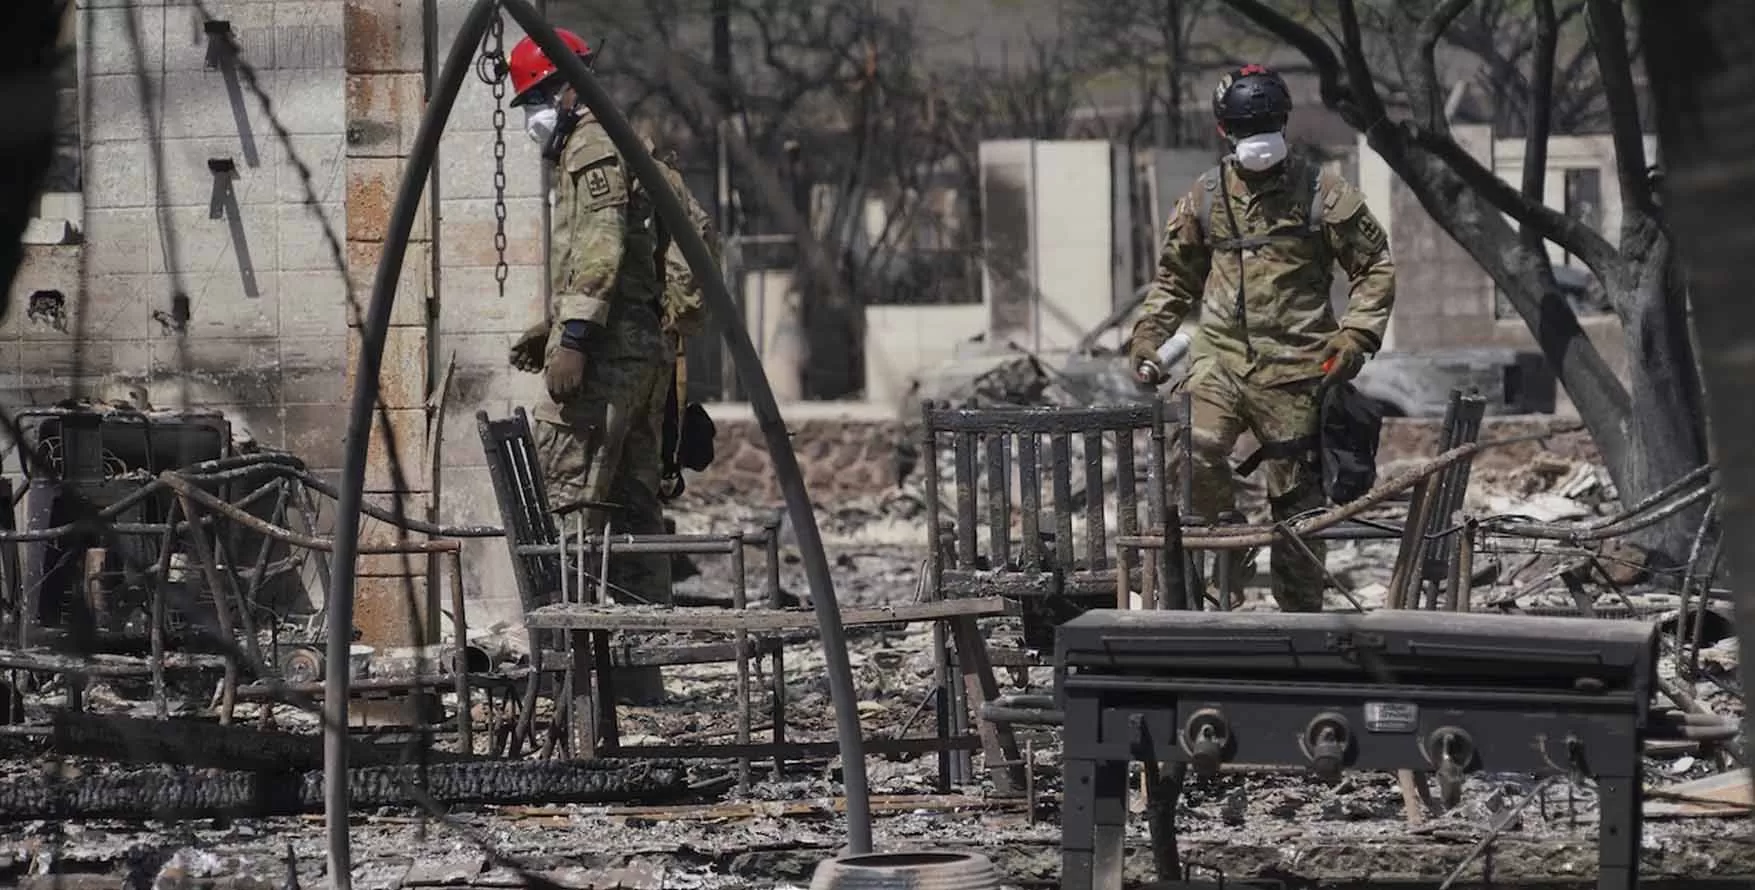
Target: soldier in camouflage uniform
1253	245
607	354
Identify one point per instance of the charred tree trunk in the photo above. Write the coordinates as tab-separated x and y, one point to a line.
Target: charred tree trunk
1649	431
1703	80
1665	426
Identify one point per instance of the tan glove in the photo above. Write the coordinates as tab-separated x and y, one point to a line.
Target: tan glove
527	353
564	375
1345	355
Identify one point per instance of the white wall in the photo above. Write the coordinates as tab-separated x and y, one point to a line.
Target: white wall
1569	153
1076	225
774	318
902	341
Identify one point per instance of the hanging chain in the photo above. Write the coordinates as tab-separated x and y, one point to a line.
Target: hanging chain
492	71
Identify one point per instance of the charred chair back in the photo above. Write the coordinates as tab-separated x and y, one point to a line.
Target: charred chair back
998	536
511	459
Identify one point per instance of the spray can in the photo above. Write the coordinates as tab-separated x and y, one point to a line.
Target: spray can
1168	354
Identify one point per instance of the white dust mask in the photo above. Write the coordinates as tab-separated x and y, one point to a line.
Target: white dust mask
1262	151
539	123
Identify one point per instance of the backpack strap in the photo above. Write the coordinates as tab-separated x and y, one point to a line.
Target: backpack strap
670	478
1209	182
1289	449
660	250
1313	216
1312	227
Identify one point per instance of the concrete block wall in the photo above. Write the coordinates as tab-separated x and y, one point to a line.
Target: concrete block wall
384	99
475	324
266	333
273	336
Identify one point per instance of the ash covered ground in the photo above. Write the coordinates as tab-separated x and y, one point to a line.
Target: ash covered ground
1270	823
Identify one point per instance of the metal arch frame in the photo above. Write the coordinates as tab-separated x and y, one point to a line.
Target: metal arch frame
723	311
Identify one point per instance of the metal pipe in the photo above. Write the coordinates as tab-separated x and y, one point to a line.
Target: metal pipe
1243	537
1692	577
750	375
293	470
1625	524
640	545
263	526
359	431
460	671
222	611
156	608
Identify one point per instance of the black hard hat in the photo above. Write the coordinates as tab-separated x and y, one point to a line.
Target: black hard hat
1251	100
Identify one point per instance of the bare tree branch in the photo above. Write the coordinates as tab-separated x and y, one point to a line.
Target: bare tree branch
1571	234
1535	151
1335	91
1427	53
1359	71
1608	30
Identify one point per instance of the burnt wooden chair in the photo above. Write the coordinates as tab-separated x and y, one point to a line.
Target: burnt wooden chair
545	580
1001	539
535	541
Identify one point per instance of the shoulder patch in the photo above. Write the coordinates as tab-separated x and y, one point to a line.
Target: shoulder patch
599	180
601	184
596	182
1370	231
1340	200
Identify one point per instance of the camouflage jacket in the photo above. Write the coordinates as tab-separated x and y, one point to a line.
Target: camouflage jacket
604	241
603	256
1263	285
684	308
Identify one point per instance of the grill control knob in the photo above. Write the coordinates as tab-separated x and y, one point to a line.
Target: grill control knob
1452	751
1327	741
1206	737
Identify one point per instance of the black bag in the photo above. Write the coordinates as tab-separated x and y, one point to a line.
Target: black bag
1343	448
694	445
686	440
1347	447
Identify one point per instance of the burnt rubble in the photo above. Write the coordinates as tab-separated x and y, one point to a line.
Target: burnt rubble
121	752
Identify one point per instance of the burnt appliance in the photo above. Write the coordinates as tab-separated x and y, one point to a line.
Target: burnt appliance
1445	693
84	590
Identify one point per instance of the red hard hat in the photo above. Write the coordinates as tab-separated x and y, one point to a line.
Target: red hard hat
529	66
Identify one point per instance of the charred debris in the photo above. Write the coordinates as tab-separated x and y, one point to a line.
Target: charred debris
158	574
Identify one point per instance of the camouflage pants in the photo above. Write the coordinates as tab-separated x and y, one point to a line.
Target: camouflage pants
605	455
1225	406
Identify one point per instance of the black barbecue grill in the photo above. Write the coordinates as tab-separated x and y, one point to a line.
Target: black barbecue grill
1445	693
